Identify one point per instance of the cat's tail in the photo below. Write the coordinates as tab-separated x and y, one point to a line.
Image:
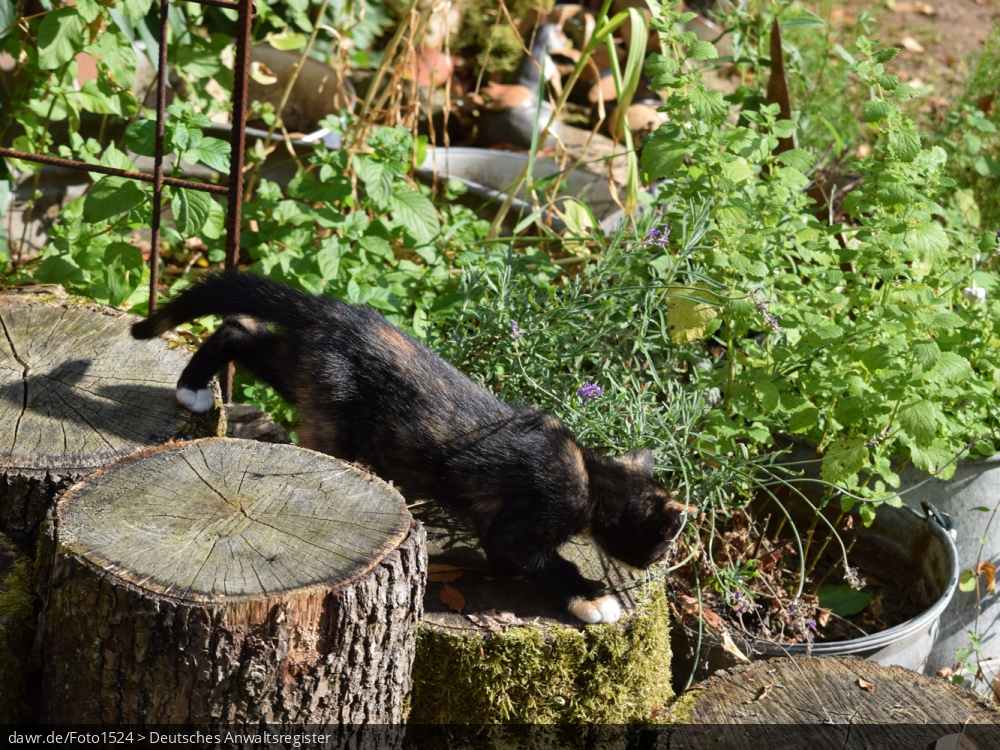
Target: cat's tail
229	293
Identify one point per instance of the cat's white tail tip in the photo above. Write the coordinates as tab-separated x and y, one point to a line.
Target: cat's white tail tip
593	611
198	401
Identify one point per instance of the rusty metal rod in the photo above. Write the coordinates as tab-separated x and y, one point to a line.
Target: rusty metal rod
234	209
55	161
161	116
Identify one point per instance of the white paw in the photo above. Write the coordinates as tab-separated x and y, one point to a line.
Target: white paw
593	611
197	401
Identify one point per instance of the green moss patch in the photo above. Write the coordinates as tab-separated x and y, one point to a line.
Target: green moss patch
17	631
598	674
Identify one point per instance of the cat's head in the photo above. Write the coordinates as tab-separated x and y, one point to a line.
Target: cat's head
639	519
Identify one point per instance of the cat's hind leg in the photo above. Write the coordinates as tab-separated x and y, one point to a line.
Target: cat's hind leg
238	339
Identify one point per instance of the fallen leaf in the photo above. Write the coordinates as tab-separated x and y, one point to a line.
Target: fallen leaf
911	44
989	571
451	598
865	685
262	74
689	605
823	617
732	648
945	672
764	690
445	576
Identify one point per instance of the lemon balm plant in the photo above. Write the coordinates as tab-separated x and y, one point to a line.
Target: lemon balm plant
872	338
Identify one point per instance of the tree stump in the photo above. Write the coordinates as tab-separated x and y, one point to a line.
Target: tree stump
229	582
77	392
498	650
820	703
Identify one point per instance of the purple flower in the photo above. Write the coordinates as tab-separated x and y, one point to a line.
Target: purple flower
657	237
998	235
515	332
812	624
588	391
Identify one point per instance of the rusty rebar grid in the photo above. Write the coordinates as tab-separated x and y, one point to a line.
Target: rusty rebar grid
233	191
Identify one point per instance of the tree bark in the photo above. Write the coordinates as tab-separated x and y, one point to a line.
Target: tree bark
493	649
821	703
76	393
229	583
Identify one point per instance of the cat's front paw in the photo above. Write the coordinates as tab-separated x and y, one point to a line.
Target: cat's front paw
197	401
593	611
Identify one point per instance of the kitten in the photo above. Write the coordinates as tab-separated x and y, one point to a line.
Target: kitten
367	392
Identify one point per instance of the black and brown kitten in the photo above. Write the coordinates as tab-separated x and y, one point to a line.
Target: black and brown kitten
367	392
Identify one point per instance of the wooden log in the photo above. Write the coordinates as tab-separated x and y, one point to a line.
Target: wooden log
493	649
17	631
229	582
820	703
77	392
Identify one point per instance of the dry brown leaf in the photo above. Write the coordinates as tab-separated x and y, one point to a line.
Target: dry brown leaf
989	571
823	617
451	598
445	576
764	690
732	648
911	44
865	685
689	605
945	672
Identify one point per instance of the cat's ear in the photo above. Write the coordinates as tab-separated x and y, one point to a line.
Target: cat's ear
640	460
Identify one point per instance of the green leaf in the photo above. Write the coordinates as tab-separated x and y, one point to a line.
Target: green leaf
948	320
919	420
60	37
416	214
328	191
805	21
135	9
885	55
98	97
877	111
215	223
708	105
702	50
118	54
928	240
111	196
287	40
140	136
844	459
951	367
783	129
737	171
661	157
328	257
767	395
804	419
123	268
688	317
925	353
8	15
191	210
905	142
797	159
843	601
877	358
211	151
935	458
967	581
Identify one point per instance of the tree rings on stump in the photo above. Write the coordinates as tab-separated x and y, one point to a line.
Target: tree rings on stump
498	650
78	392
833	702
229	582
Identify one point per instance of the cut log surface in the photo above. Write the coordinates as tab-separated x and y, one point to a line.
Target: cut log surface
230	582
833	702
76	393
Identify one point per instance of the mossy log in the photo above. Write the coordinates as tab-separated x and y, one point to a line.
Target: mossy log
17	631
503	651
819	703
76	393
229	582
